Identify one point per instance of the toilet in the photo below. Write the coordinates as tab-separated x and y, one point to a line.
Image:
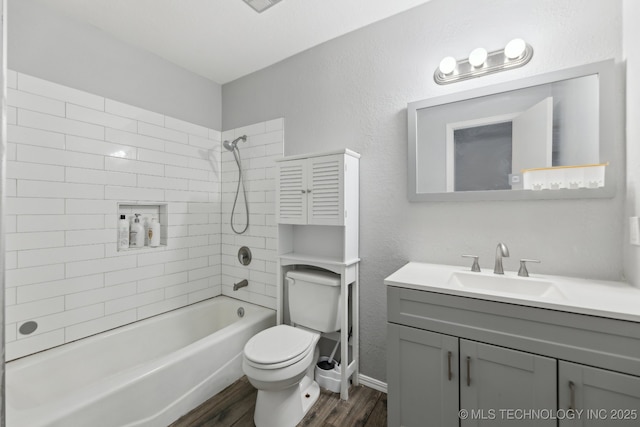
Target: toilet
280	361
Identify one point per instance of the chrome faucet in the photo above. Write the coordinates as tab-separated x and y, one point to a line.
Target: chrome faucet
501	251
240	284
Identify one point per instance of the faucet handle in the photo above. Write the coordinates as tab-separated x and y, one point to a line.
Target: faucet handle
523	266
475	267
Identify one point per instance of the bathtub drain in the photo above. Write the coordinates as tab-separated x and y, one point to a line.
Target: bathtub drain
241	312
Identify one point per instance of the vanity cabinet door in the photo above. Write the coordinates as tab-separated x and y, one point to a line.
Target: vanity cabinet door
599	397
496	381
423	378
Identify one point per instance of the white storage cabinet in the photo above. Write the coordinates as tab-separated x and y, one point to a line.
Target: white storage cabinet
317	209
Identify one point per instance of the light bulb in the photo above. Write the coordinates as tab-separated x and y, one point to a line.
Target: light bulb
478	56
447	65
515	48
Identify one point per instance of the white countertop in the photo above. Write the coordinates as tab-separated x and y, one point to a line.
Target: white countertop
617	300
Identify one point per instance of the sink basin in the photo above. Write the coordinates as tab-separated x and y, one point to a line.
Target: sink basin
602	298
514	285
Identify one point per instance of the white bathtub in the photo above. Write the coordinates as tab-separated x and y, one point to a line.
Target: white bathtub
148	373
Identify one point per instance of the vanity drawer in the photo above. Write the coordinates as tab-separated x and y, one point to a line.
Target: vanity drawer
595	341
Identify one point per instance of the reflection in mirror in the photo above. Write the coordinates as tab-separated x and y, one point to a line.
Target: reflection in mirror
534	136
555	124
481	157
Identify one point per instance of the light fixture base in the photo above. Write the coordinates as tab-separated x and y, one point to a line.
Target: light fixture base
496	61
261	5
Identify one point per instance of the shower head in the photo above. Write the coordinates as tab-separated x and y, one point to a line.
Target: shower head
233	144
229	145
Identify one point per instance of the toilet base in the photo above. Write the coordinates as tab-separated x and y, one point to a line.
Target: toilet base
285	408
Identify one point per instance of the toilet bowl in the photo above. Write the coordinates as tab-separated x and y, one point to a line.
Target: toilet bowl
280	362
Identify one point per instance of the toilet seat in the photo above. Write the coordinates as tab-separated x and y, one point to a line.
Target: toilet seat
278	347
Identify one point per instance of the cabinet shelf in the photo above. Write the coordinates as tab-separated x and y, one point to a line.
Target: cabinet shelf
304	258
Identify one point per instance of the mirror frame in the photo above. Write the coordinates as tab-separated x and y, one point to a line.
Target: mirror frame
610	143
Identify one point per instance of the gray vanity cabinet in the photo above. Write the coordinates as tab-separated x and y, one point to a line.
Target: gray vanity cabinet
495	379
600	397
433	376
423	378
507	357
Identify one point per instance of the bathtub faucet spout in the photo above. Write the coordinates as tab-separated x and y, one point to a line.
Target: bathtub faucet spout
240	284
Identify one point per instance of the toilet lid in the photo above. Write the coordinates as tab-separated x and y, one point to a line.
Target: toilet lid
278	344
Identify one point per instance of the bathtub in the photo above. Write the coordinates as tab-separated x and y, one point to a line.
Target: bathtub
148	373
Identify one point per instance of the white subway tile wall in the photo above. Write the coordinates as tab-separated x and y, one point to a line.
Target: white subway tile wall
265	144
72	156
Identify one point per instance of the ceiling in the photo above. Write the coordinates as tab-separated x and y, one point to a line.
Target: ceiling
223	40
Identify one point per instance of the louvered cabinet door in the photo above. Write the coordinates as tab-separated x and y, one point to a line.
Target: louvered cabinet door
326	190
292	192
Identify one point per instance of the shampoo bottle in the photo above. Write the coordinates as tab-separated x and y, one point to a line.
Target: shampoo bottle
146	225
154	233
136	235
123	233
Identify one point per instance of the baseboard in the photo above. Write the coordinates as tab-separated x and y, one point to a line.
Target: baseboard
372	383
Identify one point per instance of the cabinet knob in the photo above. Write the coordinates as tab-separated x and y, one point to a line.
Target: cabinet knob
304	191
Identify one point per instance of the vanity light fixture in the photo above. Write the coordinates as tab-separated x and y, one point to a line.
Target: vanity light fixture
480	62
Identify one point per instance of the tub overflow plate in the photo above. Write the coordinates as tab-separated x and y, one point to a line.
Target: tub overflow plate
28	327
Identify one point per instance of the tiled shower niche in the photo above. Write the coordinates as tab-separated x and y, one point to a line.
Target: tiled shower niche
147	212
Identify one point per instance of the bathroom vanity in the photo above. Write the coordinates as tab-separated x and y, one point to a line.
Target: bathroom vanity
469	348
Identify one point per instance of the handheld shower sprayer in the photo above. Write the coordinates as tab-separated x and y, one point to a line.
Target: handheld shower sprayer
234	144
233	147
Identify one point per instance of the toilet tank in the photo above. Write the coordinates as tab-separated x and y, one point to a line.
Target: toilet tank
314	299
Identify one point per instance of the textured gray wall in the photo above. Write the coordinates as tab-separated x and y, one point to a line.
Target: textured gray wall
632	55
46	44
352	92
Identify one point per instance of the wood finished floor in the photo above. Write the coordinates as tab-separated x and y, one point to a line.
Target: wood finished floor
234	407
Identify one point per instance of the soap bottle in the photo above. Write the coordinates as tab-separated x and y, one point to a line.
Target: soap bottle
123	233
146	225
154	233
136	235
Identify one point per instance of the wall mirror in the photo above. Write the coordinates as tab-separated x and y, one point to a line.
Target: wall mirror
545	137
